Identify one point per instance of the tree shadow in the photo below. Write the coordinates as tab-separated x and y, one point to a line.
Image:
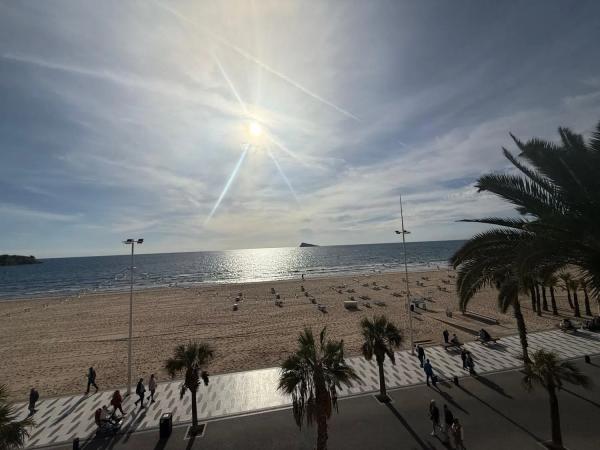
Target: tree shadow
416	437
581	397
501	414
489	383
449	399
70	410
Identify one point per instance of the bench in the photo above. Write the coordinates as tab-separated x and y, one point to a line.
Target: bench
449	345
491	340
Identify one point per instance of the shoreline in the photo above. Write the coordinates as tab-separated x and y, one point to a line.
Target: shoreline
50	342
192	285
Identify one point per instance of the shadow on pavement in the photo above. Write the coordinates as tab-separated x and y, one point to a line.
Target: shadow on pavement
406	425
489	383
501	414
70	410
581	397
448	398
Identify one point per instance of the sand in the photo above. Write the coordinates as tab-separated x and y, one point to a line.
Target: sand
50	342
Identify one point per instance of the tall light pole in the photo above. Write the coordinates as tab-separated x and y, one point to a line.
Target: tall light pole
131	242
409	309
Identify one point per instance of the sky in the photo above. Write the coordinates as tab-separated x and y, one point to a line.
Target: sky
124	119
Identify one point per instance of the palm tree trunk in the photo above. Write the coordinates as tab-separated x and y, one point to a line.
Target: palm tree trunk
555	417
586	299
569	298
537	300
522	330
532	295
321	400
382	390
194	410
544	300
322	430
576	303
553	302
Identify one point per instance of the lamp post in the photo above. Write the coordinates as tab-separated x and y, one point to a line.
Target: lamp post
131	242
403	233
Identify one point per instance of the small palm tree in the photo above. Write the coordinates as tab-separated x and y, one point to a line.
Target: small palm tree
584	285
574	285
566	279
189	359
312	375
551	281
381	338
13	432
545	370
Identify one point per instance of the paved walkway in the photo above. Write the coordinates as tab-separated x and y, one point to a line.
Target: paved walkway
62	419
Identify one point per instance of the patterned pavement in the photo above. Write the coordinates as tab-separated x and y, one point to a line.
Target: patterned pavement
62	419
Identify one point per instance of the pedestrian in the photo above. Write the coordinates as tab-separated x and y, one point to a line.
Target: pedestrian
152	388
428	373
463	356
91	377
457	435
302	277
434	416
470	363
448	421
117	402
421	354
446	336
33	397
140	390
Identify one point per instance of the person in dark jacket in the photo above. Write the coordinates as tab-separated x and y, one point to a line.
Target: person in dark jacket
446	336
448	420
421	354
91	380
463	357
140	390
434	416
33	398
117	402
428	368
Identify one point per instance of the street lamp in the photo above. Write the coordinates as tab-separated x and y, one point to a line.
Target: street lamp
131	242
403	233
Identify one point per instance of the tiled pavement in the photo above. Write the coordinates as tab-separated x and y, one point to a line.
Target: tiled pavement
62	419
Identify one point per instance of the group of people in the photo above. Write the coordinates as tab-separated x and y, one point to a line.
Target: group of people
451	426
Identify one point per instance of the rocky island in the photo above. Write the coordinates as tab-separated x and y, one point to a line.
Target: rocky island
17	260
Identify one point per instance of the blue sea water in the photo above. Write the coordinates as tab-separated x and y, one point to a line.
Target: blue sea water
64	276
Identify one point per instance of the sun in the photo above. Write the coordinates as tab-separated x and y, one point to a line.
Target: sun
255	129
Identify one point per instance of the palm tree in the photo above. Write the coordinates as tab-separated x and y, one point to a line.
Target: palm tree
190	358
545	370
557	192
566	279
551	282
586	300
312	376
574	285
487	260
537	298
13	432
544	299
381	337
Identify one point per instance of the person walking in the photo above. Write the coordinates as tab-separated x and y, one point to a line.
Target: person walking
33	398
448	421
152	387
140	390
429	373
421	354
446	336
434	416
463	356
117	402
457	435
91	380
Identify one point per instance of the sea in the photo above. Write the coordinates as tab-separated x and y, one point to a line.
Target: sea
75	276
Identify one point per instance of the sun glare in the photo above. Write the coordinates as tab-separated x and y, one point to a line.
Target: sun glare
255	129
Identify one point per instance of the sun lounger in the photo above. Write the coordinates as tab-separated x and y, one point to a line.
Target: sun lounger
350	304
322	308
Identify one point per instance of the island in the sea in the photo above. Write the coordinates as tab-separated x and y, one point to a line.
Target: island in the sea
304	244
17	260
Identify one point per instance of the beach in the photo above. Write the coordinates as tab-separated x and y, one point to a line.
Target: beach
49	343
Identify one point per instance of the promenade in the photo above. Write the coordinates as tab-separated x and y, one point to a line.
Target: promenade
60	420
